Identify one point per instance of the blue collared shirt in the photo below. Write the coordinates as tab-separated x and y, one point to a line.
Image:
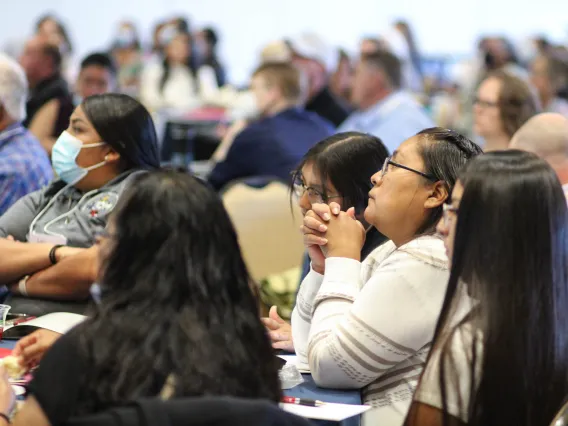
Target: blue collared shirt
393	120
24	165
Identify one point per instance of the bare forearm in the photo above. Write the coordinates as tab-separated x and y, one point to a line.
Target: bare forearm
20	259
69	279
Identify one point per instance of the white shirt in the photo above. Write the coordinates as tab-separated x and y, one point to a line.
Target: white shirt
369	325
457	361
180	92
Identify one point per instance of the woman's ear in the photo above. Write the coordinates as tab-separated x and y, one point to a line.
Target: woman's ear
112	156
438	195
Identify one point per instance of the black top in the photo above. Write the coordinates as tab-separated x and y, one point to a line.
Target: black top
201	411
329	107
52	88
56	383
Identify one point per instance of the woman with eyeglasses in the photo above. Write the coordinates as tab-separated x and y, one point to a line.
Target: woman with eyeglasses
502	105
369	325
337	169
506	361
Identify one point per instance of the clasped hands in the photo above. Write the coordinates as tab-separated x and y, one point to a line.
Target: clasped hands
330	232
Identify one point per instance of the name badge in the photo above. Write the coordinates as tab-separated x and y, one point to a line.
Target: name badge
45	238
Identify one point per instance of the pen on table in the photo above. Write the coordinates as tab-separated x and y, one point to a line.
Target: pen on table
302	401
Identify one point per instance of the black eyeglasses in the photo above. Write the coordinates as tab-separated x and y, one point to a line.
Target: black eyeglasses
315	196
388	161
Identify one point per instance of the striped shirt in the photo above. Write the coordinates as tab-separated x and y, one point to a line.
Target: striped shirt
369	325
24	165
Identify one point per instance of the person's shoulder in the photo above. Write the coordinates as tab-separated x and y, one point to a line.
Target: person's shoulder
256	131
427	249
301	115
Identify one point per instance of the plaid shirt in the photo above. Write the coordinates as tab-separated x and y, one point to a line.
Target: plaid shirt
24	165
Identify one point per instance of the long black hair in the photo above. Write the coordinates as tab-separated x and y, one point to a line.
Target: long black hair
60	27
510	250
191	64
176	302
127	126
347	160
444	153
211	58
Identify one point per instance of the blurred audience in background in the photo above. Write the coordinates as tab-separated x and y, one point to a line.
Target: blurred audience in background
400	41
370	45
342	78
318	61
126	51
273	145
176	81
51	29
206	50
49	104
383	108
24	164
549	75
96	76
502	105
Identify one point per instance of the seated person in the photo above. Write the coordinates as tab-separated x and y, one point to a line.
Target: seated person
206	42
177	81
96	77
317	61
175	297
50	104
369	325
110	139
505	362
24	164
275	143
384	109
549	75
337	169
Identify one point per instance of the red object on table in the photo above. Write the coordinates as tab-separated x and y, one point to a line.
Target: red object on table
5	352
206	114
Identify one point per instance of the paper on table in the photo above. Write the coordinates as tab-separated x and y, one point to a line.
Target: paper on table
329	411
60	322
293	359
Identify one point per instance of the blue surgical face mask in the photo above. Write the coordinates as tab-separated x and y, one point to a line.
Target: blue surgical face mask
64	156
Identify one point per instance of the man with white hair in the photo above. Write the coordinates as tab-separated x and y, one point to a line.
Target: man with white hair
546	135
317	61
24	164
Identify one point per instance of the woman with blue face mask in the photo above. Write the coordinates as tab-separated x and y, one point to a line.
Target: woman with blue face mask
110	139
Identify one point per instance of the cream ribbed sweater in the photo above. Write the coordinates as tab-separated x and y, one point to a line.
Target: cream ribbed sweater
369	325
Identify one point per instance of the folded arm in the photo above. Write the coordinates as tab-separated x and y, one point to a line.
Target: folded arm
20	259
70	278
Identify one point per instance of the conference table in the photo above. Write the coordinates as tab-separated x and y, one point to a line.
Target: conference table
308	389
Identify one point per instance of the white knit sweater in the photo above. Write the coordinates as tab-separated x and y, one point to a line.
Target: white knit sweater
369	325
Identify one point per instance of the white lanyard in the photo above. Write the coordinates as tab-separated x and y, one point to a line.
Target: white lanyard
49	204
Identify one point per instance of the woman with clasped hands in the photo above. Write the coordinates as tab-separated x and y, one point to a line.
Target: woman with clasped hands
369	325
